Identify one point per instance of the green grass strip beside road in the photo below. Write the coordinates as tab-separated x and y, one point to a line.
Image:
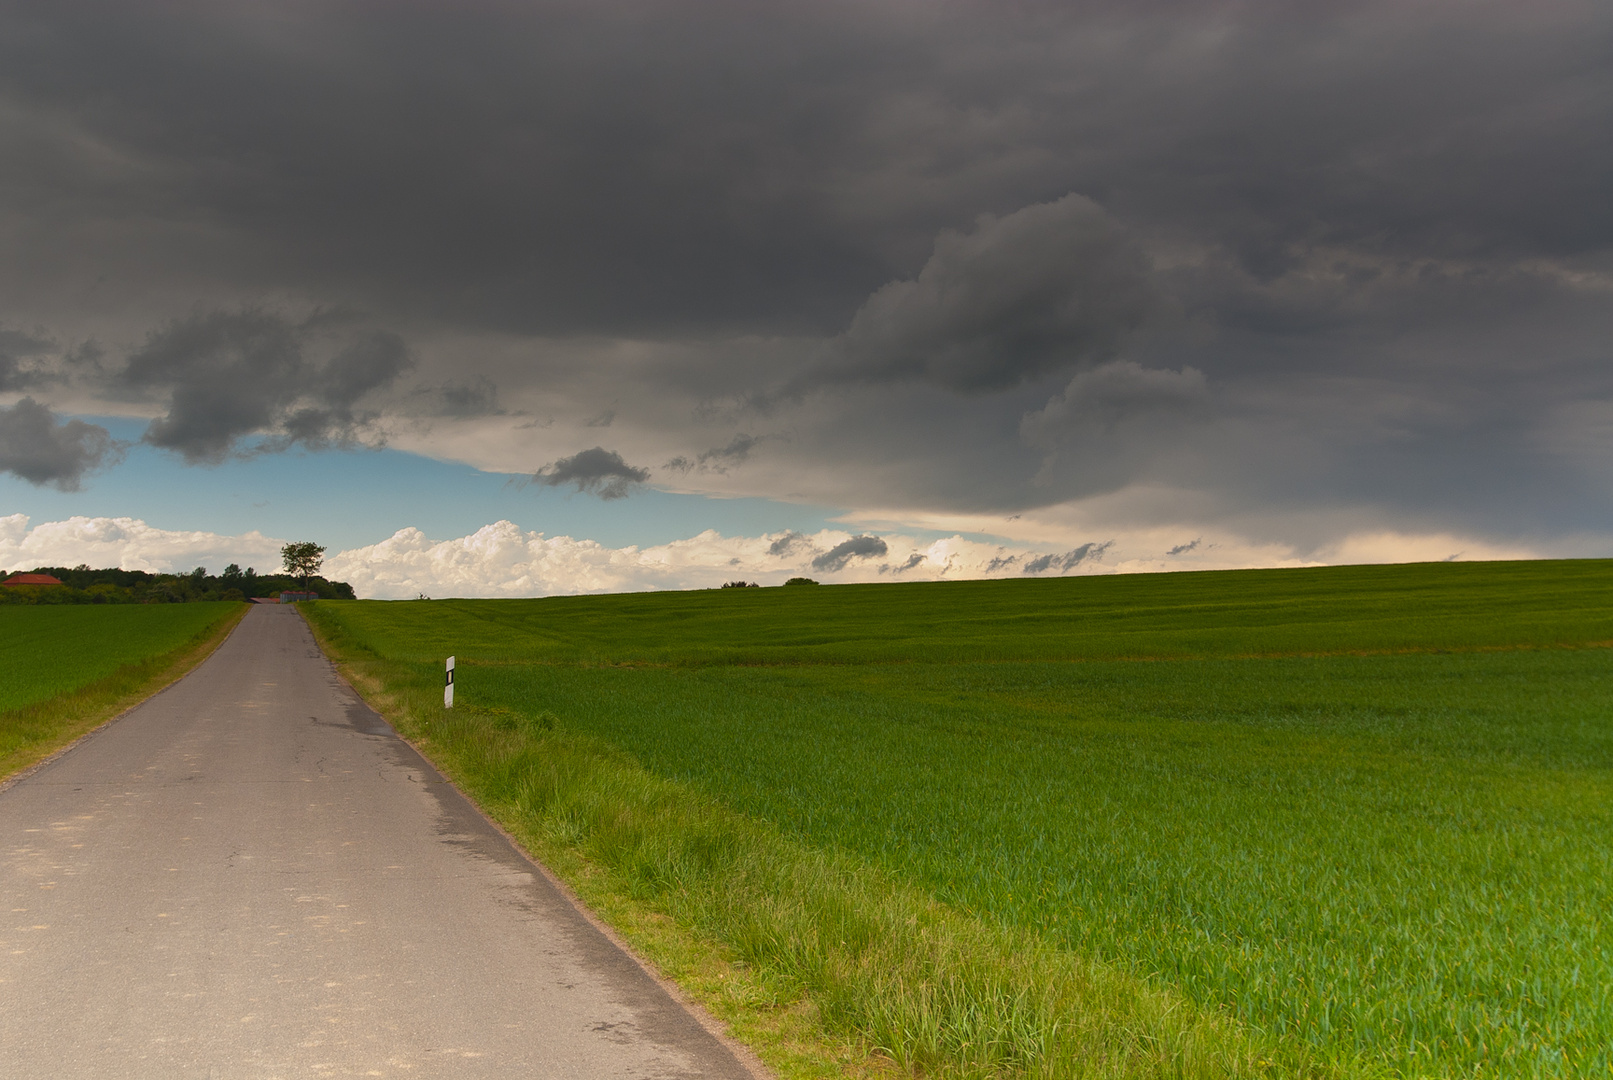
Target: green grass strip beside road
68	670
824	965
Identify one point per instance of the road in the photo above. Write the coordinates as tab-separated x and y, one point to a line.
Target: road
251	876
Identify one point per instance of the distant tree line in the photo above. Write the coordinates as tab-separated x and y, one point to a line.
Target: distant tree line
81	585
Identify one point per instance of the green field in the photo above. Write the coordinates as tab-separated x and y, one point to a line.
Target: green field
64	667
47	651
1366	811
1240	613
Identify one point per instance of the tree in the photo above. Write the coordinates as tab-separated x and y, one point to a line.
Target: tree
302	559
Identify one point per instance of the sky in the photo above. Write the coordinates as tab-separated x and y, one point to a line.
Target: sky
498	298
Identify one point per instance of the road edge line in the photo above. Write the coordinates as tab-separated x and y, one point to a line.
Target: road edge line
713	1026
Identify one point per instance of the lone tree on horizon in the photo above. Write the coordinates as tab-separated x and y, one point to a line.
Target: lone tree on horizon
302	559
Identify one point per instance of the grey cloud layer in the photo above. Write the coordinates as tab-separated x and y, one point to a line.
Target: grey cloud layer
556	167
229	374
718	459
1043	289
17	350
1296	260
41	449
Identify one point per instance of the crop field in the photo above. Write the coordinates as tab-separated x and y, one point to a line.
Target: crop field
54	650
1366	812
50	654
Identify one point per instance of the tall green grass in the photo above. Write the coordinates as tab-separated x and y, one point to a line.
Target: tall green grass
812	931
63	670
1396	863
1387	857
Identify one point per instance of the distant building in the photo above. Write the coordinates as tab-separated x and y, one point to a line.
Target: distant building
31	579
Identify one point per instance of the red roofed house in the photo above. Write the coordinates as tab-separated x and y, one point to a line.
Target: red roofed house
30	579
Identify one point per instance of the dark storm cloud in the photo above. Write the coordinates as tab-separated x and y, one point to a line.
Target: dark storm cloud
549	167
1045	288
556	167
1123	391
1183	549
41	450
858	547
225	375
1290	256
598	472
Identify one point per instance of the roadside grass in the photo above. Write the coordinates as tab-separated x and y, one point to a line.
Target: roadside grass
825	965
1401	859
66	670
1394	861
47	650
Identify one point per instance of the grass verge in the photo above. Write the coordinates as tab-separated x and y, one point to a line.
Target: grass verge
33	732
826	966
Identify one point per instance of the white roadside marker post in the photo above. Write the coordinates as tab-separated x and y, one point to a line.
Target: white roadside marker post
448	687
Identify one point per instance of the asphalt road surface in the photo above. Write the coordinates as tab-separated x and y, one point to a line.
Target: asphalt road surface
251	876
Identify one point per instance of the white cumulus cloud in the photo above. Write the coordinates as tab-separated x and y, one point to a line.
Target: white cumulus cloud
504	560
128	544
